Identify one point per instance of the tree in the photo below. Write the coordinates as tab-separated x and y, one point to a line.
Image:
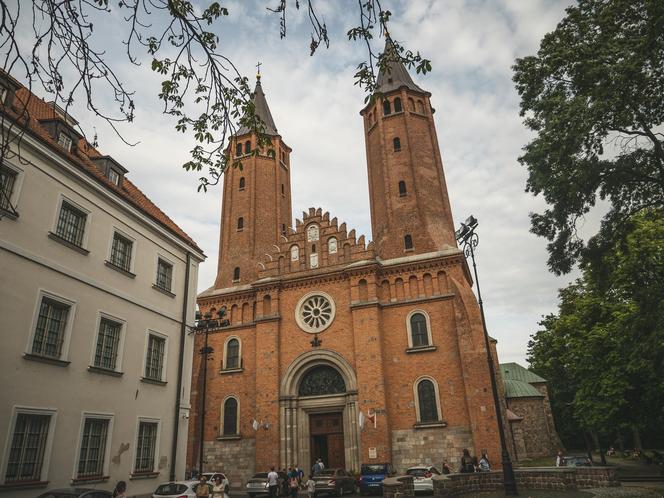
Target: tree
603	352
593	97
53	43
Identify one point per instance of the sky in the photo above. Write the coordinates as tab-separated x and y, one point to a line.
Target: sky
472	45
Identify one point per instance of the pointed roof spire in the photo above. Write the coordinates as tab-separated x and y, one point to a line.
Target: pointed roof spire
397	76
261	110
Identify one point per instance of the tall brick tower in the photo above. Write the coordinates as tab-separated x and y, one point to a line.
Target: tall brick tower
256	206
410	209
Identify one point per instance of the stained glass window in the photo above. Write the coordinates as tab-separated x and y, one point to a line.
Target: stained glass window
322	380
426	397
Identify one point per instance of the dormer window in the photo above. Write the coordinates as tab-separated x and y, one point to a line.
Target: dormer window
8	87
65	142
112	169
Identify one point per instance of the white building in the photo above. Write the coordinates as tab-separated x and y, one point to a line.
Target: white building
97	286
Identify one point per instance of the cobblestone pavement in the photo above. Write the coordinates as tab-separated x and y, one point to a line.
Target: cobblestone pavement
631	491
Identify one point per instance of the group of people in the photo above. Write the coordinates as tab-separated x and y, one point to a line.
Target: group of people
293	482
219	488
470	464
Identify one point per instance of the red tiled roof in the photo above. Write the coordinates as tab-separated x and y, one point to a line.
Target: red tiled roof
38	109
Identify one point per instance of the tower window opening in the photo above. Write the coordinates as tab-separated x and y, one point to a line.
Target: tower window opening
240	223
313	247
420	107
236	273
387	110
402	188
242	181
247	147
408	242
238	149
396	142
283	189
397	105
283	229
411	104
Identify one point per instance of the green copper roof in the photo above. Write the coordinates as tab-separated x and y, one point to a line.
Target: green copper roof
514	371
519	389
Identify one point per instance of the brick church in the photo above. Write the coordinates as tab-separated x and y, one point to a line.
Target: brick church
338	348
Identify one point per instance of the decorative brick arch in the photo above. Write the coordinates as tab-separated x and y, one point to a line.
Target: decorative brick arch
304	362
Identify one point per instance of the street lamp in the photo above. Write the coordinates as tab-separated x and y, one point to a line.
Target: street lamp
468	239
203	325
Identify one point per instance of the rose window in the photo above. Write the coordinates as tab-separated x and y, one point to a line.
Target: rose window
315	312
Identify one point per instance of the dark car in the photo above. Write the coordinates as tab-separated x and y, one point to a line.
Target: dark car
334	481
578	461
257	485
372	475
76	493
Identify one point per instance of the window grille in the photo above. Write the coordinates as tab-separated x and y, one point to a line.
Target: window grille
121	252
418	330
93	448
108	341
71	224
164	275
426	396
50	331
26	454
233	354
230	417
145	447
7	181
154	362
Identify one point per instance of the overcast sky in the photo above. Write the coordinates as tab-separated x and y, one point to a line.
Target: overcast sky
471	44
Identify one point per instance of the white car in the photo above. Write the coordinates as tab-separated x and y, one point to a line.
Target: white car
177	489
211	476
422	477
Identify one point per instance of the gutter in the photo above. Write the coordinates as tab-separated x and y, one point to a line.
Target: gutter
178	397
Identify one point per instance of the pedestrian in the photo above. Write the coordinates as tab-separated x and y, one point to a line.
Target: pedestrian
120	490
560	460
202	488
467	463
292	483
300	475
218	490
311	487
446	467
484	465
315	470
321	464
272	483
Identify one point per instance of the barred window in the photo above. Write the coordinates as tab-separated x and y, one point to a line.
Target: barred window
108	341
50	331
64	141
418	330
233	354
154	363
230	417
93	447
121	252
145	447
426	398
7	181
71	224
26	454
164	275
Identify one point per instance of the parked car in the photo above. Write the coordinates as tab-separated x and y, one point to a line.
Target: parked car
257	485
177	489
334	481
578	461
372	475
422	477
76	493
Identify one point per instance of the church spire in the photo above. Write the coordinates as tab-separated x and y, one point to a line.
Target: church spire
395	75
261	110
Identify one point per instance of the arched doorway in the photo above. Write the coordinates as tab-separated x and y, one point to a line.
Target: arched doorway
319	414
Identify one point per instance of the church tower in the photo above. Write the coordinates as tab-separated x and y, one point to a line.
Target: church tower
256	206
410	209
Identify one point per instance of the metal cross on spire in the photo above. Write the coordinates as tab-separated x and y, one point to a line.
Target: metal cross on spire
258	70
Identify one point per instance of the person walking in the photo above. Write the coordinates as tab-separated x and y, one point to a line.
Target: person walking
467	463
311	487
300	475
202	488
120	490
272	483
293	484
560	459
484	465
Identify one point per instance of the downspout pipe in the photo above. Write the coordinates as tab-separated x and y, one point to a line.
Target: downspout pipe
178	396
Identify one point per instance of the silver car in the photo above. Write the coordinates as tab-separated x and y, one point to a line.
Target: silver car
422	478
177	489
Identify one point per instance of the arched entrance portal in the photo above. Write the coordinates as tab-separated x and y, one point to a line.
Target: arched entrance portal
319	413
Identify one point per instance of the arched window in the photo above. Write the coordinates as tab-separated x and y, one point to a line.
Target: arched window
387	110
294	253
242	182
420	107
240	223
427	401
408	242
312	233
396	142
247	147
419	330
397	105
402	188
230	417
232	356
236	273
411	104
238	149
332	245
322	380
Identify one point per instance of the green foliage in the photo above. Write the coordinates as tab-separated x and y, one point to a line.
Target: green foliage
593	96
603	352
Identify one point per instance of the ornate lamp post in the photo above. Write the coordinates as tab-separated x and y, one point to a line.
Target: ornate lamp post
204	324
468	239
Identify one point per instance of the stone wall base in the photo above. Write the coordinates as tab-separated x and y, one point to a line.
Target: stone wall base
429	446
234	457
